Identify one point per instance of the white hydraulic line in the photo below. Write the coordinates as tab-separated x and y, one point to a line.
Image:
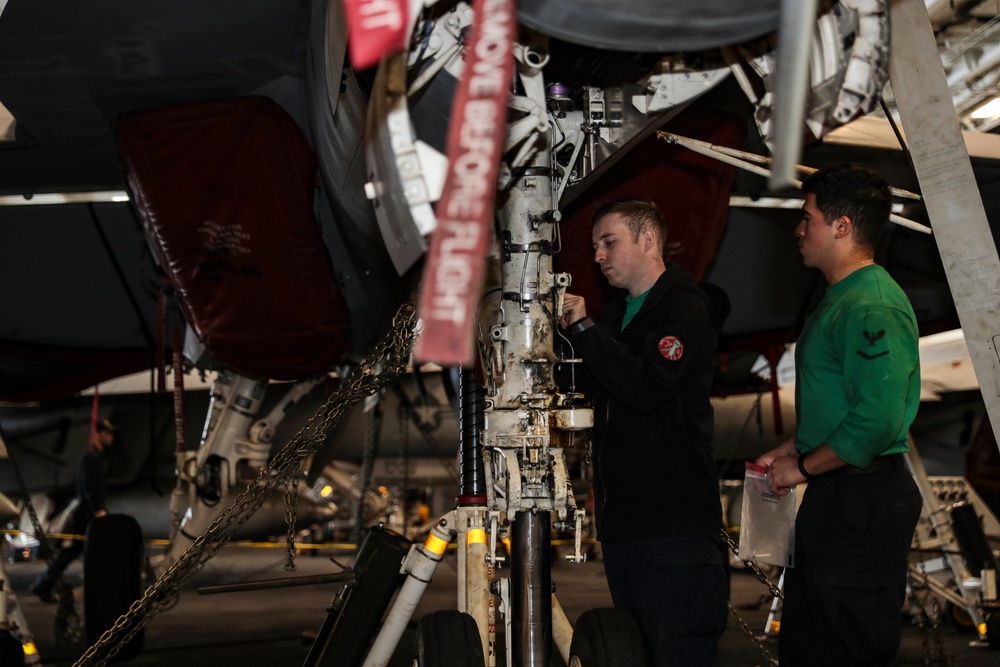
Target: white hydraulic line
742	162
766	202
51	198
419	566
795	35
432	70
763	159
562	630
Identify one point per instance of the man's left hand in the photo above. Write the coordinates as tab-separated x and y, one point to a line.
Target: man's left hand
574	309
784	474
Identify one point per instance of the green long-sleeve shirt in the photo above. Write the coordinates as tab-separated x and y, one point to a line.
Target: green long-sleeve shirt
857	385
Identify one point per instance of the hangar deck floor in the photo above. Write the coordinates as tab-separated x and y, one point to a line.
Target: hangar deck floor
272	627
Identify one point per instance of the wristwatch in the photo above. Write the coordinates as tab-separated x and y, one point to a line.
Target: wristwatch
802	467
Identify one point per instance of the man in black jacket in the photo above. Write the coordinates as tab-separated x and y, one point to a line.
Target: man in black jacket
649	361
91	494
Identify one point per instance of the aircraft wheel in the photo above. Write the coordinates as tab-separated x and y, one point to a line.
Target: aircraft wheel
958	616
11	652
112	573
449	638
993	630
607	638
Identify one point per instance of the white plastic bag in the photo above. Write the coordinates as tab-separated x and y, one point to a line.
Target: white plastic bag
767	527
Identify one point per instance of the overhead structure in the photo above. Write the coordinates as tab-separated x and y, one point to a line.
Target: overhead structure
950	192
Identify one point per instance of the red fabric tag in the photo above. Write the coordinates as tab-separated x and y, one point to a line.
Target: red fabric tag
179	390
93	413
455	260
671	347
376	28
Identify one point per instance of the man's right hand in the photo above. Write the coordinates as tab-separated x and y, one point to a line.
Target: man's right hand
780	455
574	309
787	448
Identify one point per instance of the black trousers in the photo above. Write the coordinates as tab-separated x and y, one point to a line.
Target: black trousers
676	588
64	554
843	599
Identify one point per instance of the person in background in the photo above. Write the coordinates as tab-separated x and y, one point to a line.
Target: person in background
648	365
91	494
857	389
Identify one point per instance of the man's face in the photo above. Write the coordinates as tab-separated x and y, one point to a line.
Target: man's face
815	235
107	438
621	259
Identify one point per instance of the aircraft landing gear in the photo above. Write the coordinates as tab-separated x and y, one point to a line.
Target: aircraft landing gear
448	638
607	638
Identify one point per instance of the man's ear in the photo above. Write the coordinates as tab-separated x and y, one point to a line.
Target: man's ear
647	239
842	227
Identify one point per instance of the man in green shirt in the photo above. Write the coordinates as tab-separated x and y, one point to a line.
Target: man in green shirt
857	389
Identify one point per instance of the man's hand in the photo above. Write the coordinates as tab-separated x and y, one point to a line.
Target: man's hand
787	448
782	467
574	309
99	513
784	474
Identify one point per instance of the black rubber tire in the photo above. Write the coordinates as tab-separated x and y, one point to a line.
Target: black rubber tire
11	652
607	638
993	630
449	638
112	577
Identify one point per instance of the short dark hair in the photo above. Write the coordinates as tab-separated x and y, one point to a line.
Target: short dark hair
854	191
105	426
640	214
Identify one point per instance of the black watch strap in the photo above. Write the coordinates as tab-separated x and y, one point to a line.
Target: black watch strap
580	325
802	467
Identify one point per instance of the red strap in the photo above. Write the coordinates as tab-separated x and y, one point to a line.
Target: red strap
93	415
161	333
455	262
179	390
376	28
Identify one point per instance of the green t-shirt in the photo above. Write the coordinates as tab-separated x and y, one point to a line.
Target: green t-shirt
632	307
857	377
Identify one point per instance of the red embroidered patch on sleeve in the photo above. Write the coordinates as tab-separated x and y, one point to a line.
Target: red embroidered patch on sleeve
671	347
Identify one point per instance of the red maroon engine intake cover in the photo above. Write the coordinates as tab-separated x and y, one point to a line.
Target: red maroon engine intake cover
224	190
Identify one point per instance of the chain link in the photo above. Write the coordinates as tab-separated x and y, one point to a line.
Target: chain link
759	573
373	430
387	360
44	546
937	637
291	506
762	578
931	638
771	660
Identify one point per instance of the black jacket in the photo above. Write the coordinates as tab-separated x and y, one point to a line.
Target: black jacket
91	482
655	474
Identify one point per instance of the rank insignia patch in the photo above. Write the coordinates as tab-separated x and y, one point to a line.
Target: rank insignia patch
671	348
872	338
